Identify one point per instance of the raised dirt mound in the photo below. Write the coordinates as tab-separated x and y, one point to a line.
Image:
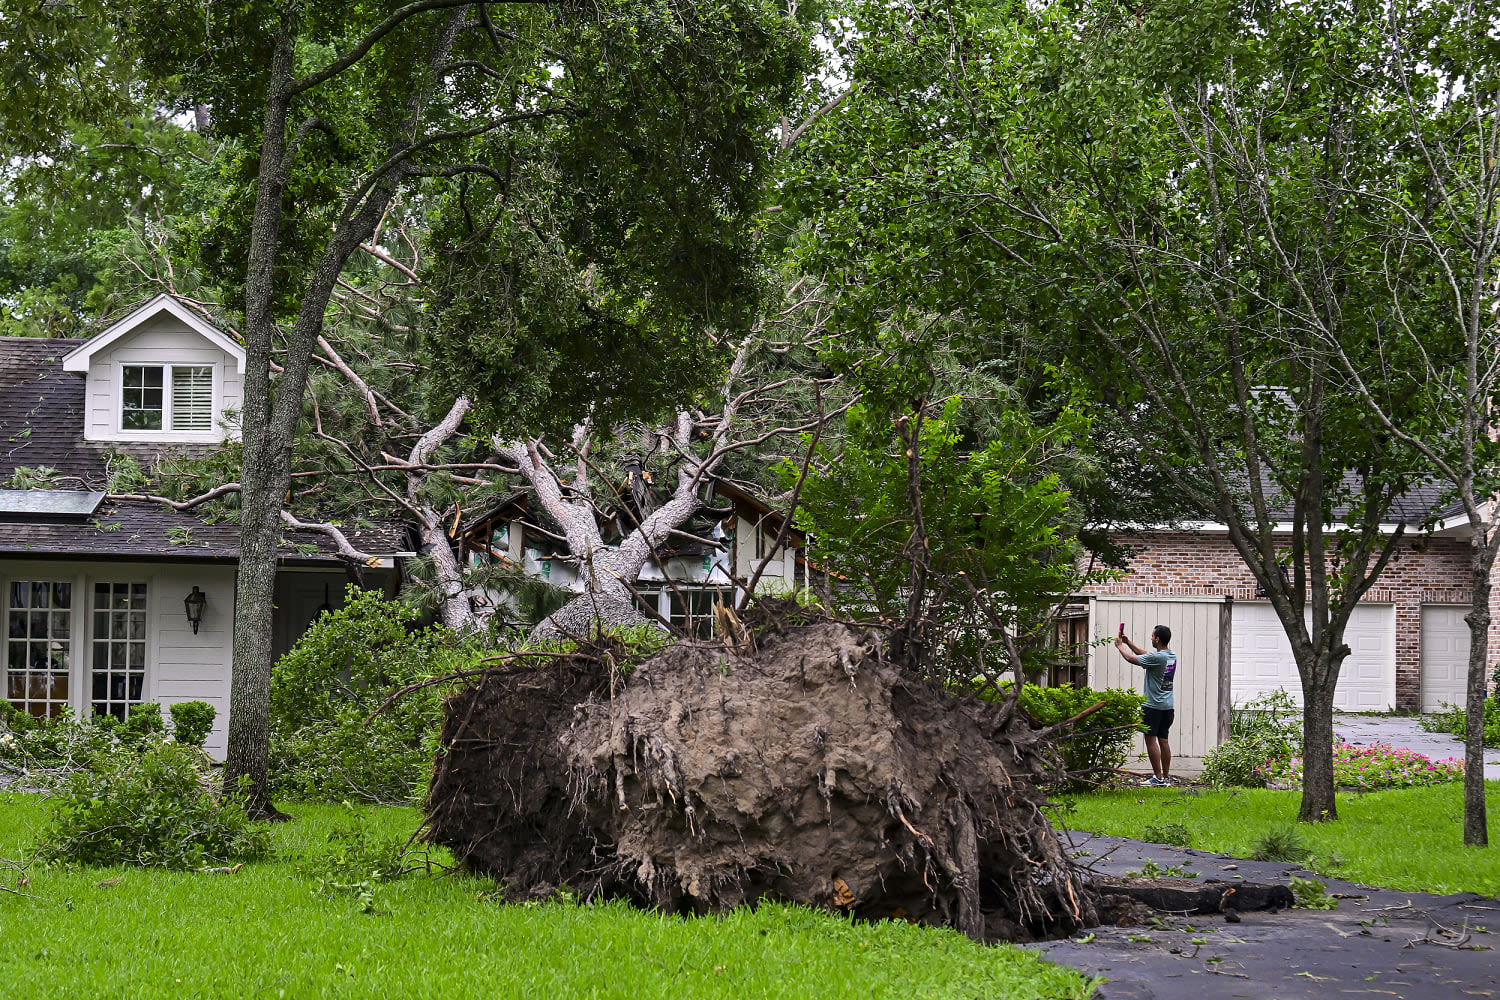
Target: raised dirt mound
811	769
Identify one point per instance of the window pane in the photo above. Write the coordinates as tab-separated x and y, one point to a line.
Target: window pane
137	625
62	595
39	624
192	398
17	629
138	596
141	398
41	595
18	592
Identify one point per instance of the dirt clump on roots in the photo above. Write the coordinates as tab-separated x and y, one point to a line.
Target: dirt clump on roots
804	766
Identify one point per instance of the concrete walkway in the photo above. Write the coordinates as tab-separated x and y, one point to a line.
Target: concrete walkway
1405	732
1377	944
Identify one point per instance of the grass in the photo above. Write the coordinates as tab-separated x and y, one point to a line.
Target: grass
265	931
1409	839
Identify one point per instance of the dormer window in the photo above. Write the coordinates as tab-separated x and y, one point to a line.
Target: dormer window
146	405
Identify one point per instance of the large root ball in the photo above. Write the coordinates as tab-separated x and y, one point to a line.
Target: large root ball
810	769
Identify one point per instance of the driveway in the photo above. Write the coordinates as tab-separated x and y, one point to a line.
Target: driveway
1405	731
1377	944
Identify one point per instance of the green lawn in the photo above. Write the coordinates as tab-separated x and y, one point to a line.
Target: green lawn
265	931
1409	839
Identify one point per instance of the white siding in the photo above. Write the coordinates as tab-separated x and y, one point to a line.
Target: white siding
1196	636
161	340
180	666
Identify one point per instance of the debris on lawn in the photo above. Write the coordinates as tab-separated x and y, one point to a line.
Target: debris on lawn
801	764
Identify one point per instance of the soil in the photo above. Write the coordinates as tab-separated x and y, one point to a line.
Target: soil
802	765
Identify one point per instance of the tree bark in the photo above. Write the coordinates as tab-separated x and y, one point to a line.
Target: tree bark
270	421
1318	802
247	757
1481	559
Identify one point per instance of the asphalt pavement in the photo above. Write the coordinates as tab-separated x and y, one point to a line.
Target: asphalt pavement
1378	943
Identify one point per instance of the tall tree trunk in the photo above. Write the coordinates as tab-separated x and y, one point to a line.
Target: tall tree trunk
1481	559
247	759
270	422
1318	802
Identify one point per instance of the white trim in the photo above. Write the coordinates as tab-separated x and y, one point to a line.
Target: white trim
1163	598
1277	528
78	359
165	433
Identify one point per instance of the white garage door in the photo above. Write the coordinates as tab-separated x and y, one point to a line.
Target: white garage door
1260	658
1445	656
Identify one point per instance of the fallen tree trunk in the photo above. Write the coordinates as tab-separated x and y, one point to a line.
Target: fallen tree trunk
804	766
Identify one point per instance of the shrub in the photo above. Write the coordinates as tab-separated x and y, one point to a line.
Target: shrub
1285	845
1261	732
152	807
327	743
1371	768
142	724
1098	745
1455	720
192	721
60	743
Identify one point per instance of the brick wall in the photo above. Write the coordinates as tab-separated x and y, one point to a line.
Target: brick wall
1423	571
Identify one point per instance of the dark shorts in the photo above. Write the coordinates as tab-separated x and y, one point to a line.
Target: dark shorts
1158	721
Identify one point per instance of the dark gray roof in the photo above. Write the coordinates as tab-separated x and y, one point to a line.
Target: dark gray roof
41	417
134	529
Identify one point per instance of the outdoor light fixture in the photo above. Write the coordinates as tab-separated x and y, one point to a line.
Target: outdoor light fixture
194	603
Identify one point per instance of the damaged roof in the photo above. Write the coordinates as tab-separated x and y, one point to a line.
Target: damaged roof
138	529
41	417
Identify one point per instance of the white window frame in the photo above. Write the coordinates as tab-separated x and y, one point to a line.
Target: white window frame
86	700
73	645
166	432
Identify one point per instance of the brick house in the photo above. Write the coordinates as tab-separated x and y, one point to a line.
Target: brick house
1408	639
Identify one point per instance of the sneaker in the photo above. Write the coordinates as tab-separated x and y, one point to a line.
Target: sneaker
1151	782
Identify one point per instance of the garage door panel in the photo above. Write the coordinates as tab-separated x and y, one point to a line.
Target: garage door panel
1445	656
1261	658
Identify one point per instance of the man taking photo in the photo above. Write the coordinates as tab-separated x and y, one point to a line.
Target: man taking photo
1160	665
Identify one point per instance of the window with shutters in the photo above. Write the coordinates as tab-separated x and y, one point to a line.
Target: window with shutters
192	398
167	397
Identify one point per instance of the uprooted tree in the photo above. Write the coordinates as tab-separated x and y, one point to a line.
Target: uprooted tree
622	145
802	756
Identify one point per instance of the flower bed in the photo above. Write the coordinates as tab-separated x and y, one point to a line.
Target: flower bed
1369	768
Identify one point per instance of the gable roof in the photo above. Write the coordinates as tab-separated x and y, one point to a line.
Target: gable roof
78	360
41	417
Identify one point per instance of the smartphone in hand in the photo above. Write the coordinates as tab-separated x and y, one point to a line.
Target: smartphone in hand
1121	633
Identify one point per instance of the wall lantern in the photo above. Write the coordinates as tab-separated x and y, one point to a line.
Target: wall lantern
194	603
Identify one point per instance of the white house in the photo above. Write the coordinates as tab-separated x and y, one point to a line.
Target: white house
93	590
